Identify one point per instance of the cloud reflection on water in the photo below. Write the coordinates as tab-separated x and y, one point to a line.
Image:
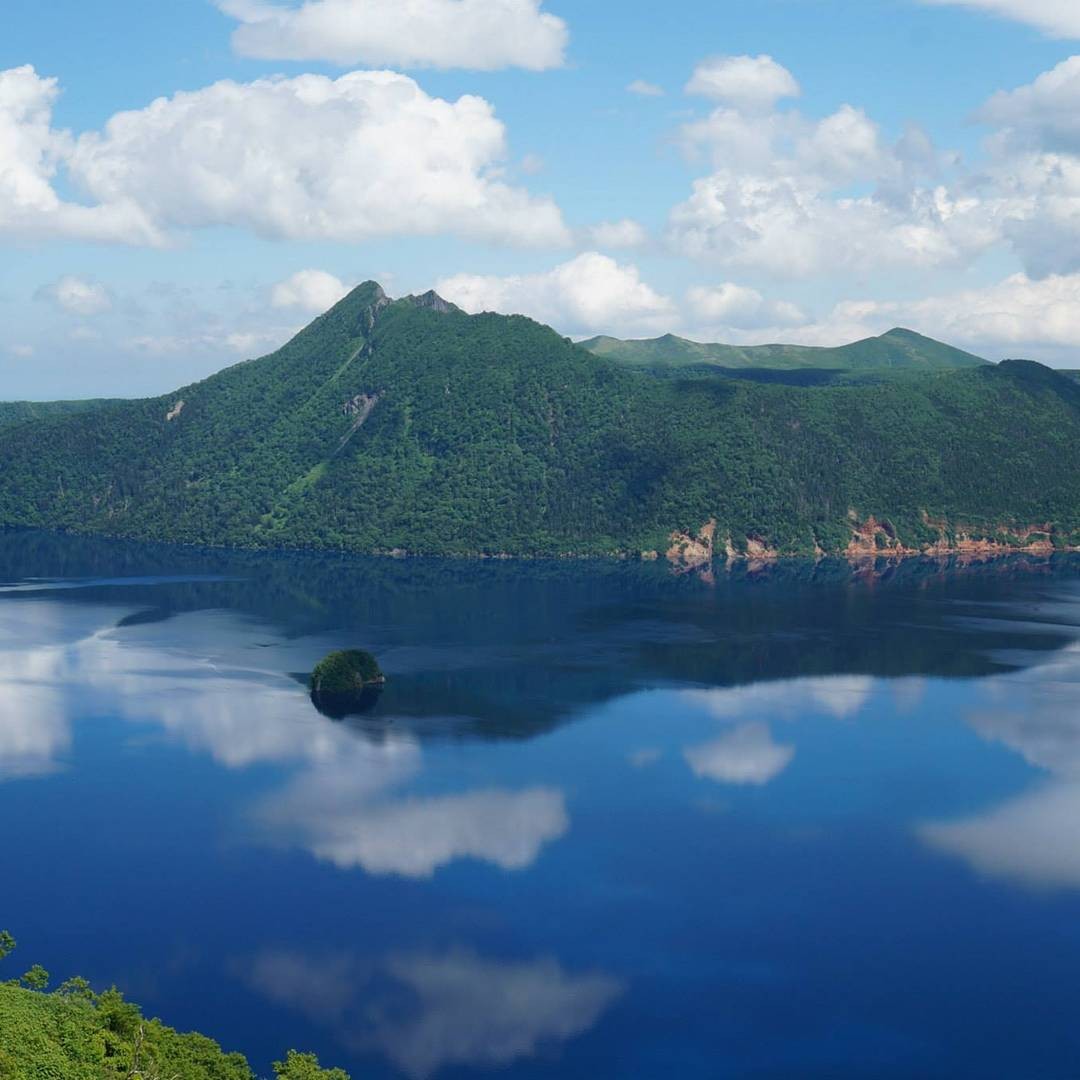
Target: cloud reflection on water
326	811
429	1010
839	696
42	658
341	805
1033	839
349	799
33	735
746	755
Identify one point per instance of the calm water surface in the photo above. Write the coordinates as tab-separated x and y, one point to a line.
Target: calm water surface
603	822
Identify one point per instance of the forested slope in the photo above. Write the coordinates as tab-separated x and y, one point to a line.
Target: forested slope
411	426
74	1033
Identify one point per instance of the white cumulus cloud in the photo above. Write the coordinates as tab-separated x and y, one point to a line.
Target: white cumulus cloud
31	154
738	306
309	158
310	291
478	34
798	197
77	295
1018	316
368	154
779	197
588	294
747	82
1047	108
1058	18
1031	187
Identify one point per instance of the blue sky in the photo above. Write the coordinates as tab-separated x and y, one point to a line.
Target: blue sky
837	167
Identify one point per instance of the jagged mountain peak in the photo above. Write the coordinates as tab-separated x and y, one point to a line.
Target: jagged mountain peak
366	294
432	301
353	315
363	304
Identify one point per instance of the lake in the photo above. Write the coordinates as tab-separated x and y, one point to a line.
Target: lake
604	820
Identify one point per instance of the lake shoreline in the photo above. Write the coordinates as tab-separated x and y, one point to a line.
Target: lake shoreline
964	554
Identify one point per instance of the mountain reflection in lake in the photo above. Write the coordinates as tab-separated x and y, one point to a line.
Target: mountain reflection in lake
603	820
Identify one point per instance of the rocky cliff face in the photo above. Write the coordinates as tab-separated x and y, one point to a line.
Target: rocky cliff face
873	538
376	302
690	551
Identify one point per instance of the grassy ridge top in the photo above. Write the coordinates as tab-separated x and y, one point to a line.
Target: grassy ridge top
898	349
408	425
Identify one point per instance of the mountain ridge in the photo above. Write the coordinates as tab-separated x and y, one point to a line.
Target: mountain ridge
897	349
409	426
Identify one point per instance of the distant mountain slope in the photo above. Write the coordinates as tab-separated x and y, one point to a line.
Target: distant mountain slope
897	350
410	426
15	412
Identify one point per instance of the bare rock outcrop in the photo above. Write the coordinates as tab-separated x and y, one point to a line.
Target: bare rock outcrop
689	551
432	301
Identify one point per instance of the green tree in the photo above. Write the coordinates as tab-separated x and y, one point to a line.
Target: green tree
117	1015
37	978
76	987
305	1067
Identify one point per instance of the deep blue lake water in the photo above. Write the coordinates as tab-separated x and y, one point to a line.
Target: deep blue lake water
604	821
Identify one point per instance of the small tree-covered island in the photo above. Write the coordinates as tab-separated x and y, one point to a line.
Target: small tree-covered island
346	683
350	671
411	427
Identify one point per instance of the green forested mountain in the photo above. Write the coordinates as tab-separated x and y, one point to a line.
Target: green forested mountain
411	426
898	350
